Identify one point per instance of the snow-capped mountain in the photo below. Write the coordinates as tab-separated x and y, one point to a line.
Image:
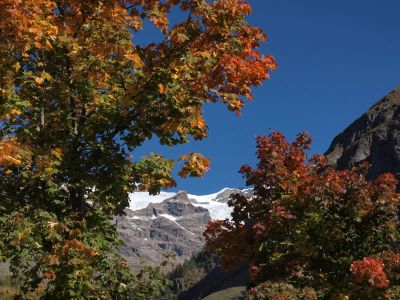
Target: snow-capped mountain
169	222
215	203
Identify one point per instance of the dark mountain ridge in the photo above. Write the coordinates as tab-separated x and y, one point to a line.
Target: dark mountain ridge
374	137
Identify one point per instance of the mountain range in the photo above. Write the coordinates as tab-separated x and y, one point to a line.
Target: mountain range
169	222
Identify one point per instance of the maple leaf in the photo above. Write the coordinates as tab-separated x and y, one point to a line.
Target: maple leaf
195	165
38	80
38	45
162	88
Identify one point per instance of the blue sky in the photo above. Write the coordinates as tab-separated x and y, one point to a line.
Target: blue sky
335	59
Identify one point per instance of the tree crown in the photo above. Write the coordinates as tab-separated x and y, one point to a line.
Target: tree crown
311	229
78	95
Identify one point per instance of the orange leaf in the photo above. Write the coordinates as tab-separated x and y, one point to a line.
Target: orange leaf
38	45
162	88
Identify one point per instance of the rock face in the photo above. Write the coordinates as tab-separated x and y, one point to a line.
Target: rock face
170	222
374	137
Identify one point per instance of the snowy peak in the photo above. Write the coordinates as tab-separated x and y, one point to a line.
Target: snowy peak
215	203
140	200
172	222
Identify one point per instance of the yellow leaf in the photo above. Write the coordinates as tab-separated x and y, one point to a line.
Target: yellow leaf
51	224
135	58
57	153
48	45
38	80
15	112
52	31
46	76
53	260
17	66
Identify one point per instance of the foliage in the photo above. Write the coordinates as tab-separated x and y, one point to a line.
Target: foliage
309	226
370	270
281	291
78	96
73	259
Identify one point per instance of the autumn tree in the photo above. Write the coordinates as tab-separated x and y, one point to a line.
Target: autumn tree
78	96
310	231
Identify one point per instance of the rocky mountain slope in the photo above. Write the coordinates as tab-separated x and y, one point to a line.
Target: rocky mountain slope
168	222
373	137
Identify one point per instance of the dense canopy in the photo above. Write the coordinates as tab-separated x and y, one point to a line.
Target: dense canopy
310	231
78	95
